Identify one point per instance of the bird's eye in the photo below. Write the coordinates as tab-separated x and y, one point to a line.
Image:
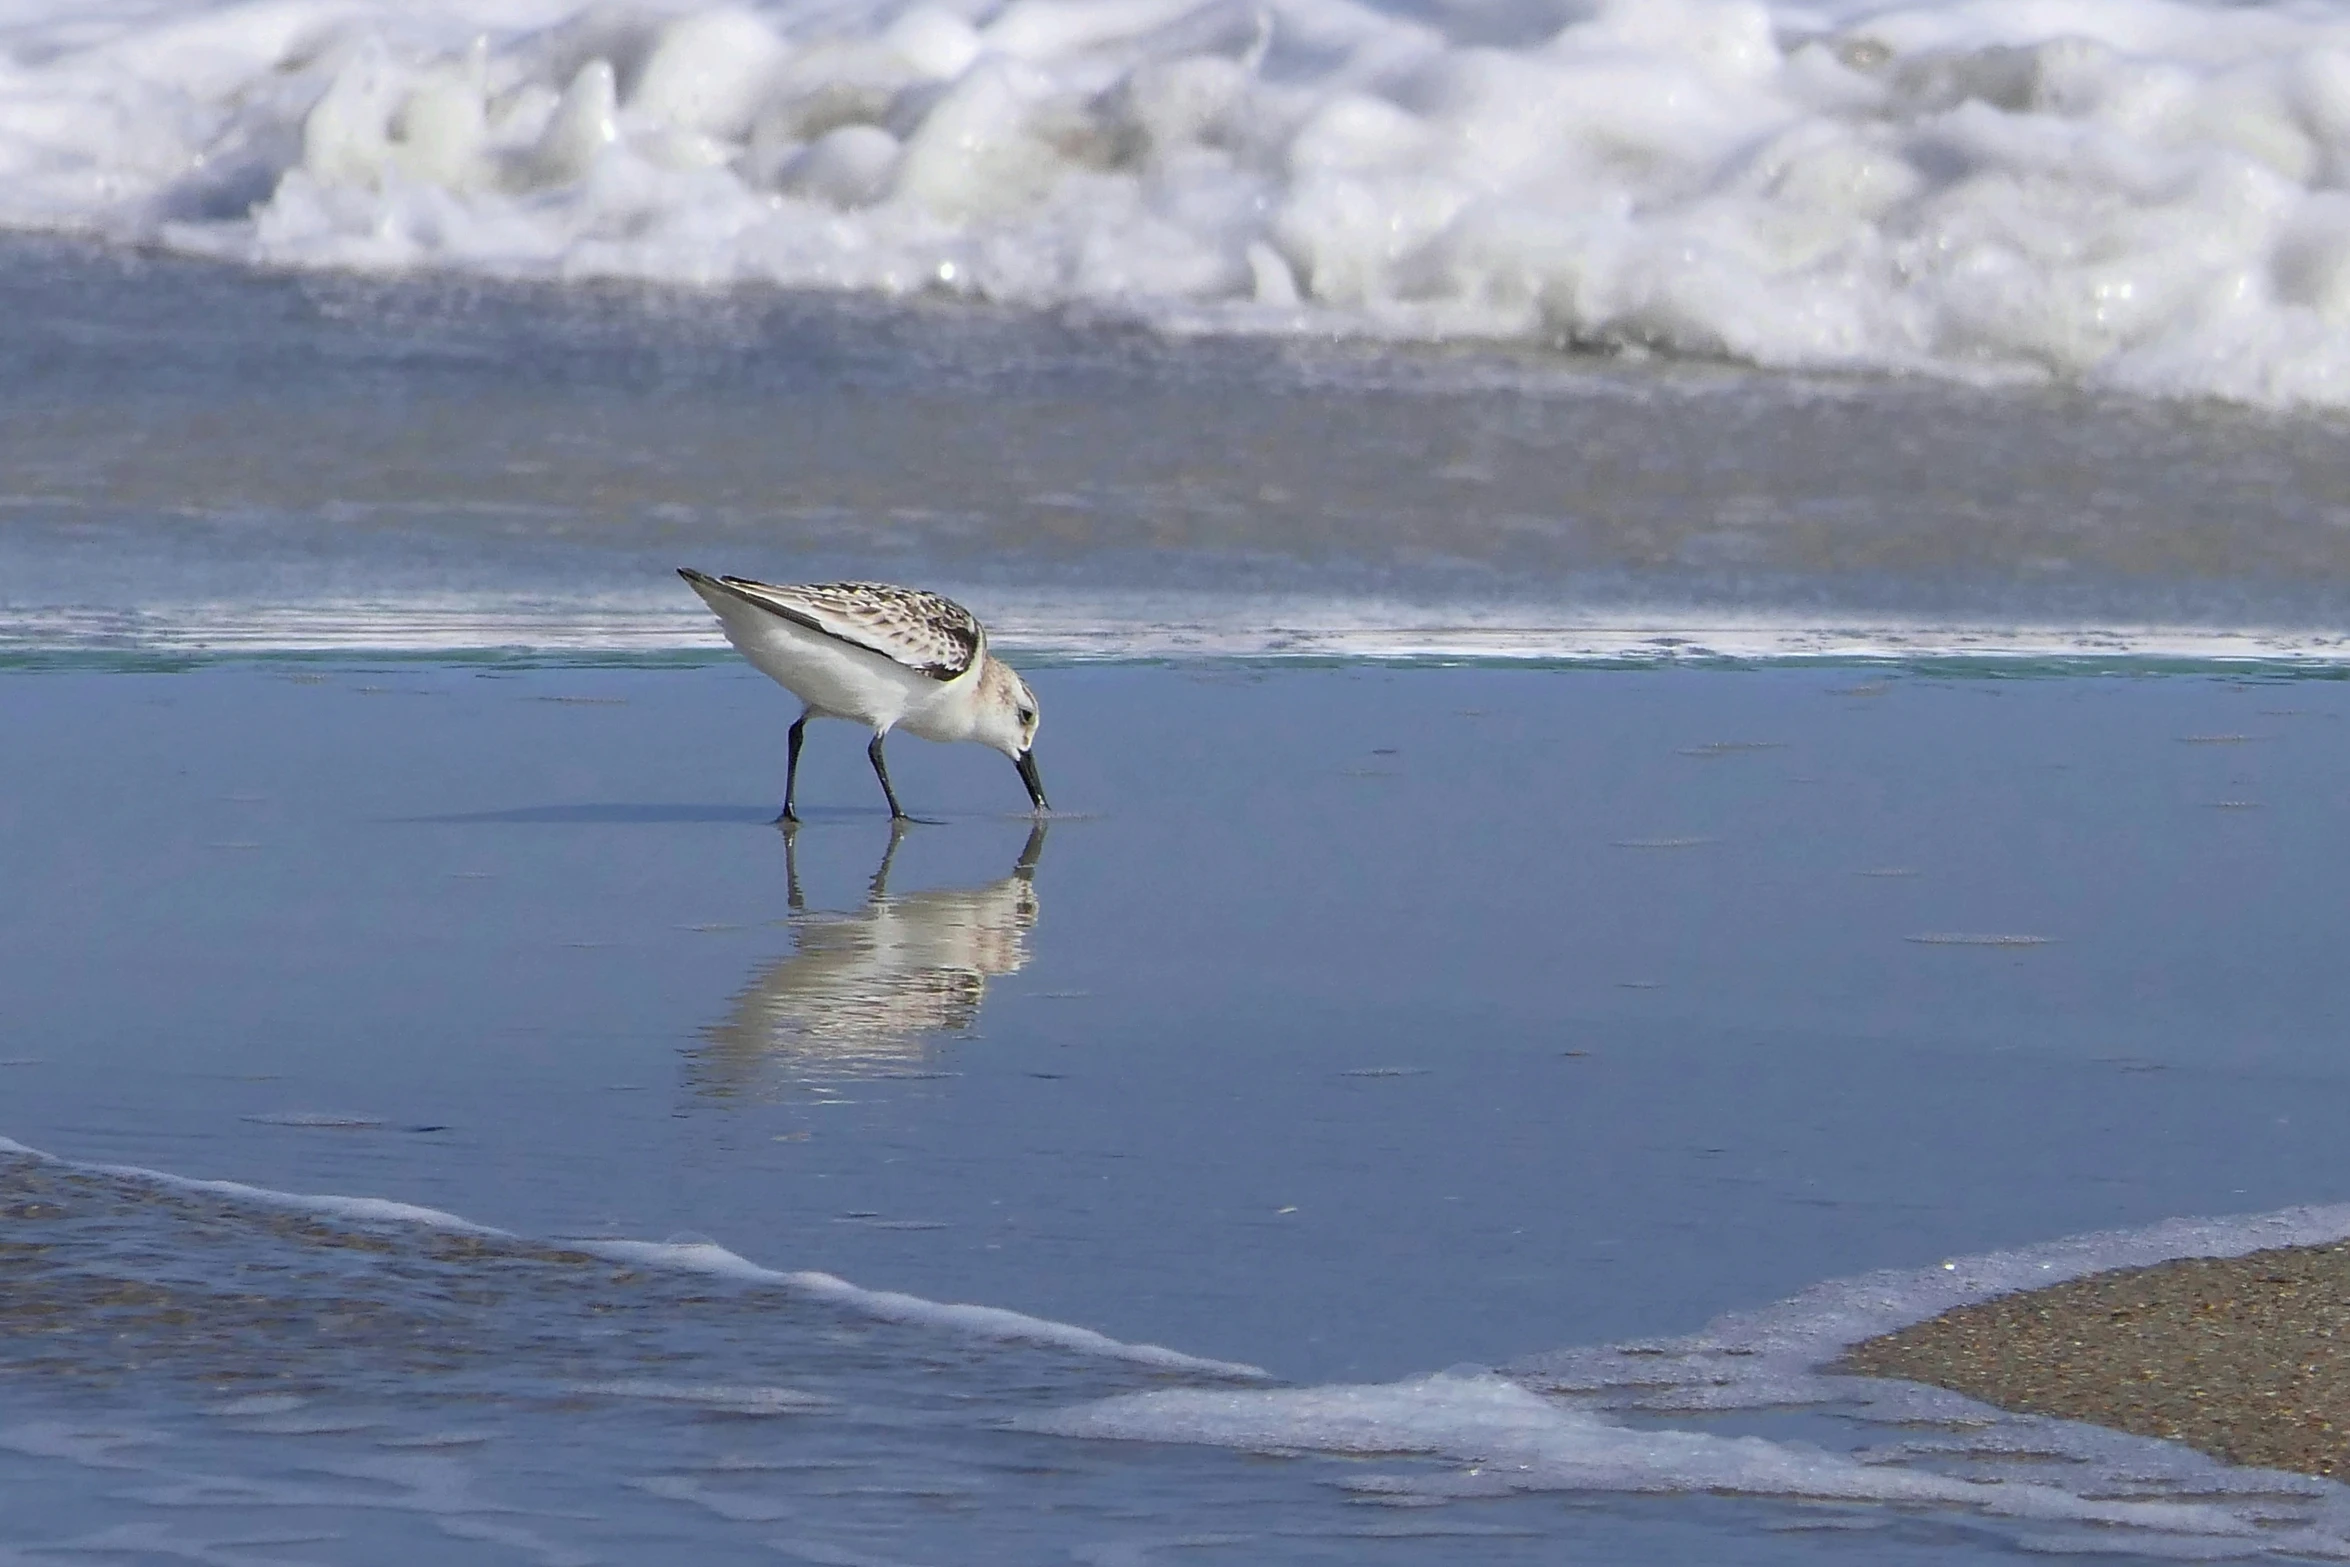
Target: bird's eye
1028	715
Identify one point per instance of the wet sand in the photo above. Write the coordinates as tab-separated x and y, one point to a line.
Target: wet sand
2241	1357
206	457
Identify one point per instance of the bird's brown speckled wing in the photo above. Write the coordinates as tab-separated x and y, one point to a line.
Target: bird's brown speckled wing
922	631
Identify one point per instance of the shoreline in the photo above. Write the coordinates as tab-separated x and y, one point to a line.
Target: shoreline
2238	1357
1112	625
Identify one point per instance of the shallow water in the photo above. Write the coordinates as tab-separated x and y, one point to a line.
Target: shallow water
1357	1024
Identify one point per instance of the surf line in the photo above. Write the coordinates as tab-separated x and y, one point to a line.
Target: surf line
703	1257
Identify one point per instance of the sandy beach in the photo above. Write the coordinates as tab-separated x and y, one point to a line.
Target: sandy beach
2240	1357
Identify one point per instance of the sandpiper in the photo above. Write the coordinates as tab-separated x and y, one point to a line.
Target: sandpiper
881	656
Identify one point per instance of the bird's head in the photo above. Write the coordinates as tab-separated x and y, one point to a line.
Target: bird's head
1008	718
1007	711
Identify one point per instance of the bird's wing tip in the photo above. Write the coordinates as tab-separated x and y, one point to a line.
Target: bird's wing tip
705	584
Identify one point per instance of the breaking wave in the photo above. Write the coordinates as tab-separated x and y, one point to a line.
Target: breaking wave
2139	194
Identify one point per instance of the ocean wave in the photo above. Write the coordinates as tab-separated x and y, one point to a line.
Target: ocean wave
691	1256
1556	1422
2146	195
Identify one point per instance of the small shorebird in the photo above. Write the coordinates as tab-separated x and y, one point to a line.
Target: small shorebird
880	656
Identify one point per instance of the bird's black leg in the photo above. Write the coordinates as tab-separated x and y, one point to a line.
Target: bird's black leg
791	770
897	812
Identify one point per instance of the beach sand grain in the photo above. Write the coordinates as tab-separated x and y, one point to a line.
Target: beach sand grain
2246	1358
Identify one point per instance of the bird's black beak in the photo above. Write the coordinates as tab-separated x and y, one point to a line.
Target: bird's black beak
1026	762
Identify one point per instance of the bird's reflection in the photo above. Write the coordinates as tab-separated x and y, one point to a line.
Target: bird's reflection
863	994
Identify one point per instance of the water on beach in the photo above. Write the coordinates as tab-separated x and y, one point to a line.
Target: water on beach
1692	649
444	1108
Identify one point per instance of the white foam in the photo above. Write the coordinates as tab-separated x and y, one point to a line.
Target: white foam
355	1210
320	1120
1553	1422
2139	194
1131	625
706	1257
727	1398
989	1322
1757	1359
1518	1440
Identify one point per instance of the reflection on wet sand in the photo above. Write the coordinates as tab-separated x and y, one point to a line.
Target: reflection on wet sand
862	994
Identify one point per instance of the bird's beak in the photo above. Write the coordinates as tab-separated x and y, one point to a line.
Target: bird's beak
1026	762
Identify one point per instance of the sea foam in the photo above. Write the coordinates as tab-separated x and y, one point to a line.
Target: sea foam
2138	194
